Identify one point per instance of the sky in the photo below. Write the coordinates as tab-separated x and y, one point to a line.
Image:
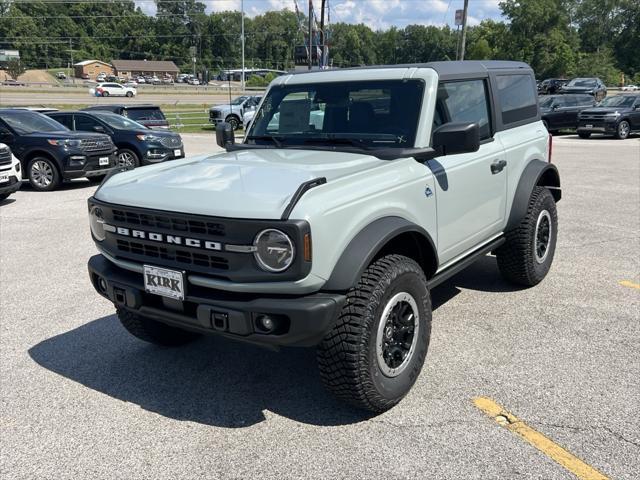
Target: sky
377	14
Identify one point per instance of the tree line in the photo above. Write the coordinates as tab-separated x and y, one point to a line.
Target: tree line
559	38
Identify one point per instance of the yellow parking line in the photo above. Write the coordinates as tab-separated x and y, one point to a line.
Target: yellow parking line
535	438
627	283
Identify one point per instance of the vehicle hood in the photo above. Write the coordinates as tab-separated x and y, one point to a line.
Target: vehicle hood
602	110
61	135
243	184
226	107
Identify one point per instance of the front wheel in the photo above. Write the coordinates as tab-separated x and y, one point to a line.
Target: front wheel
105	94
128	158
526	256
129	94
233	121
374	353
152	331
623	130
43	174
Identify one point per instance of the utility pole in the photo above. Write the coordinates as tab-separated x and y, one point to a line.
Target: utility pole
242	40
310	34
322	37
71	66
464	29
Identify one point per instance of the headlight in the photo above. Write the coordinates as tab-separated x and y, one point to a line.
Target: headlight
148	138
96	222
65	143
274	250
613	115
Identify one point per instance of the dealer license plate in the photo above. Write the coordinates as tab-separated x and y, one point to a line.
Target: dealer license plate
103	161
4	178
177	152
167	283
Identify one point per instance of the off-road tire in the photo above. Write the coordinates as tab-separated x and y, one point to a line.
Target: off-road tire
584	134
517	259
347	357
153	331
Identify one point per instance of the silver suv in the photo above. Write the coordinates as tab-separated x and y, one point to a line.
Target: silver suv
353	194
233	112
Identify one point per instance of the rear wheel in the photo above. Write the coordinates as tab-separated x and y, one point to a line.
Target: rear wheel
129	94
374	353
623	130
153	331
584	134
526	256
43	174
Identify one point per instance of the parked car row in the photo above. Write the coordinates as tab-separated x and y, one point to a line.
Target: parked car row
47	148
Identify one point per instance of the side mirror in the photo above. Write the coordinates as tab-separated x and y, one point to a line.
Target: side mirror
224	135
452	138
6	136
555	107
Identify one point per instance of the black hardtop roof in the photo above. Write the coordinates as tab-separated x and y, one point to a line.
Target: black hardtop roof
448	68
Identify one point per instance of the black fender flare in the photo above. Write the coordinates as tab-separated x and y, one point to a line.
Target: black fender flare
363	248
536	173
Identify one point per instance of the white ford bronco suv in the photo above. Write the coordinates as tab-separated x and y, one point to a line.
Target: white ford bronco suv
353	193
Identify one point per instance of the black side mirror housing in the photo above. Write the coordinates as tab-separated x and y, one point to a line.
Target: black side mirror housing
224	135
555	107
452	138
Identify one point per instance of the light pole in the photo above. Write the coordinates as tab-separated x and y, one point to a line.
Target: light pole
242	41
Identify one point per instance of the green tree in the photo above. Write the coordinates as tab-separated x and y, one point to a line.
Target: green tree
15	68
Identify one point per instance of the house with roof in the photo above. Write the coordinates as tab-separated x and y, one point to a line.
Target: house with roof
91	69
134	68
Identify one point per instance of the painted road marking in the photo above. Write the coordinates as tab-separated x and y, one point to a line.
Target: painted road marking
627	283
535	438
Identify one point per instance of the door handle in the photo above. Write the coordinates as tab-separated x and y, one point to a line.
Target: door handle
498	166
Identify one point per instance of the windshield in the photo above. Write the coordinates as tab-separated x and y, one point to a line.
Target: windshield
30	122
238	101
145	114
546	102
119	122
378	113
618	101
582	82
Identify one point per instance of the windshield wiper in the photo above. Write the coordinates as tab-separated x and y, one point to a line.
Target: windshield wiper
276	141
356	142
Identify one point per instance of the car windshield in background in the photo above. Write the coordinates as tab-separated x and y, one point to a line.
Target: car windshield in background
119	122
582	82
367	114
618	101
546	102
238	100
145	114
30	122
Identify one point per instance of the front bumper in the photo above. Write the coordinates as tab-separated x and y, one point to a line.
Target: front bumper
90	167
300	320
160	153
597	126
11	186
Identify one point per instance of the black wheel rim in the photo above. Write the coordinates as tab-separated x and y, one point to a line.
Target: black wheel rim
543	236
397	334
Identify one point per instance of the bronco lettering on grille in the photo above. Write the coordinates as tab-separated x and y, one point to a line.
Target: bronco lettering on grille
169	239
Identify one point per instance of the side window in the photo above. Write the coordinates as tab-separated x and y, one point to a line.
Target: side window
571	101
85	123
517	98
463	102
66	120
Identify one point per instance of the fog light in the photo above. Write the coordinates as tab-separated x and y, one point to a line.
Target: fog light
102	284
265	323
17	167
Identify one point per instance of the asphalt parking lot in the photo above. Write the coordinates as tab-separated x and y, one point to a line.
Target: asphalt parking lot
83	399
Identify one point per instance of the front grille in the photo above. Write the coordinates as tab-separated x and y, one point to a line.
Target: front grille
180	256
96	145
215	113
5	156
169	222
592	116
171	142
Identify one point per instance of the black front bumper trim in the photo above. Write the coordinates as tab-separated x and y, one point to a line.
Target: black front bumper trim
301	320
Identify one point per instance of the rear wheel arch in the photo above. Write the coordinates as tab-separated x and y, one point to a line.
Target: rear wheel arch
385	236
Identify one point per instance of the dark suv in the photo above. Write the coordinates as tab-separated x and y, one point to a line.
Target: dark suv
618	115
590	86
551	85
137	145
148	115
50	153
561	111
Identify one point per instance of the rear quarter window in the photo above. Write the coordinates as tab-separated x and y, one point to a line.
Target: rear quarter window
517	96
